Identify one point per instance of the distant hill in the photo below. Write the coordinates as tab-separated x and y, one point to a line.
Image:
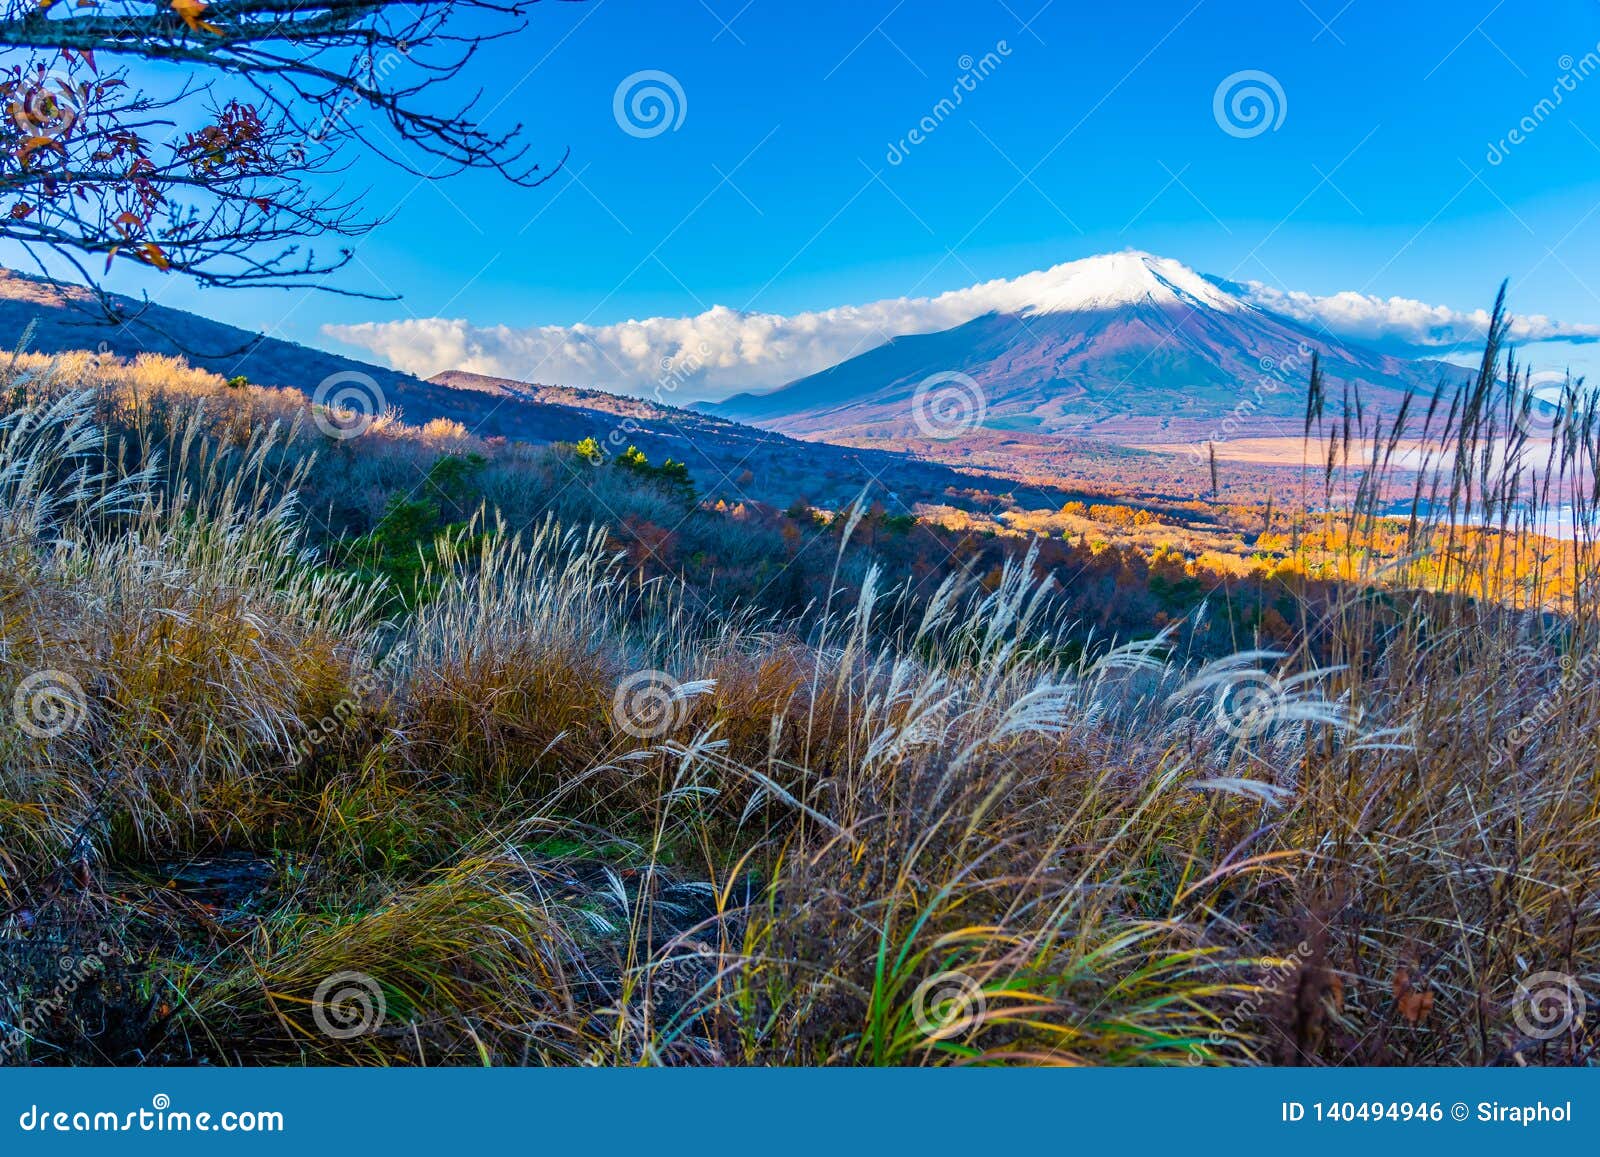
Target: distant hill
74	322
732	460
727	460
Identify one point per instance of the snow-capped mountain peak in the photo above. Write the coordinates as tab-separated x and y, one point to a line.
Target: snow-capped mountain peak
1129	344
1113	281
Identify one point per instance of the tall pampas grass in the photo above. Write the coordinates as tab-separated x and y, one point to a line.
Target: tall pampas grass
554	812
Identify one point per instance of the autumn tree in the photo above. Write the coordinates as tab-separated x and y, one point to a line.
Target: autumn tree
190	137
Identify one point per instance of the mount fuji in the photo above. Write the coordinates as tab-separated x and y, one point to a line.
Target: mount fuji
1126	346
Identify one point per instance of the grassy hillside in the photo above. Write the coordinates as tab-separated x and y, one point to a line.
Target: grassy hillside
379	754
727	460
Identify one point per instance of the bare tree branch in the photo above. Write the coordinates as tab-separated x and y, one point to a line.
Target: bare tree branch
215	181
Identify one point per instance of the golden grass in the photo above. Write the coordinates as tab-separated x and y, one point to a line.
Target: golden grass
912	832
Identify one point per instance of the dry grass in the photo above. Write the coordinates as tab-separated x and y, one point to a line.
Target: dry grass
913	833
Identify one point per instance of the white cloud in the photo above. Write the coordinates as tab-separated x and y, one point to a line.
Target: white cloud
1424	328
718	352
723	350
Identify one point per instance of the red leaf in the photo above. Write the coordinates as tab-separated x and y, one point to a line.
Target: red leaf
153	254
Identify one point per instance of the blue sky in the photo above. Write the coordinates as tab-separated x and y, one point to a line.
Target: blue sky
1093	130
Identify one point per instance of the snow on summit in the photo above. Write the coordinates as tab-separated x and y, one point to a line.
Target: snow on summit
1109	281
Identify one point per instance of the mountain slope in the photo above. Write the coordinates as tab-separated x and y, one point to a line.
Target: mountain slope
1127	346
726	459
69	319
734	461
